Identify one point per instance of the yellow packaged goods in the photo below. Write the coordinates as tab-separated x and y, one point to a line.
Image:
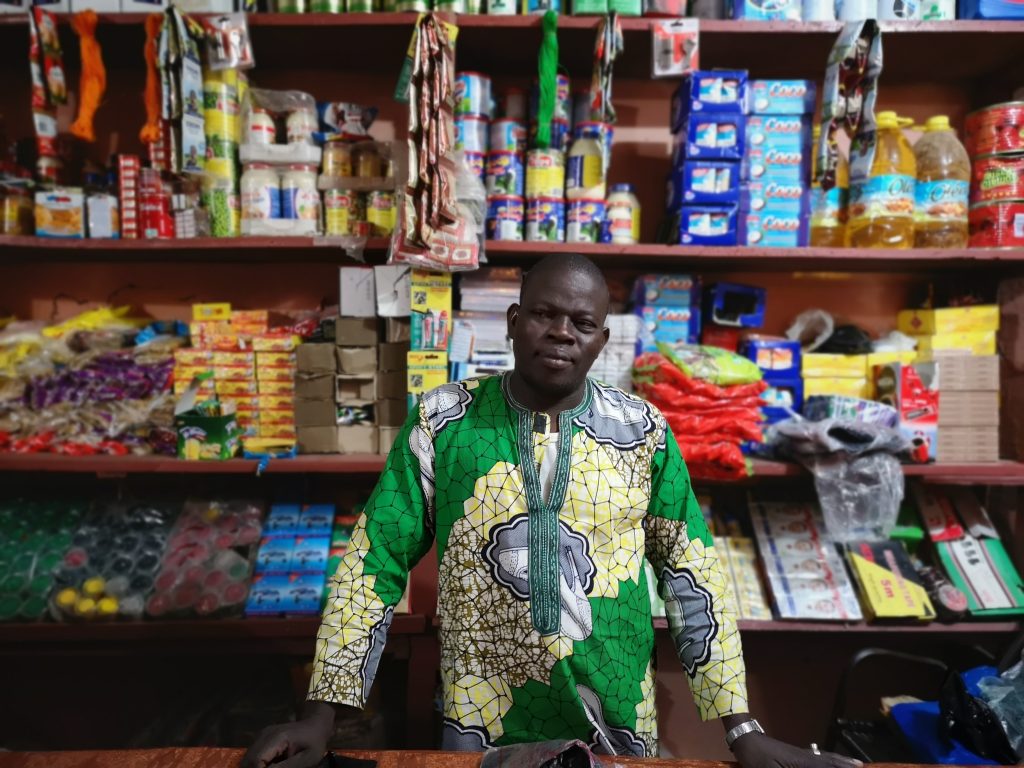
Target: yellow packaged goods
836	386
237	388
276	342
275	373
842	366
277	387
278	416
976	343
201	330
207	312
226	342
888	358
277	431
426	370
188	372
276	401
60	213
234	358
242	402
206	388
187	357
257	318
234	373
275	358
928	322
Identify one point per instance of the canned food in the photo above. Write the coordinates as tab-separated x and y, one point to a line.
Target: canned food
222	168
508	136
471	133
561	135
366	160
505	218
563	99
583	221
545	174
341	209
997	177
513	103
505	175
476	162
337	159
221	148
381	213
998	129
222	204
472	89
545	220
220	97
997	225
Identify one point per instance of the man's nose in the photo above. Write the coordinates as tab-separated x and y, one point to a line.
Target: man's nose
560	328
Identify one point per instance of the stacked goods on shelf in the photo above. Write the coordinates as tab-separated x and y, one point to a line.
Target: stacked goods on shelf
97	383
479	343
614	365
780	363
316	410
291	563
345	526
669	309
994	139
834	374
731	310
431	305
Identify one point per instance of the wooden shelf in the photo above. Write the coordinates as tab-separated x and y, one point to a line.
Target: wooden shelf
19	249
831	627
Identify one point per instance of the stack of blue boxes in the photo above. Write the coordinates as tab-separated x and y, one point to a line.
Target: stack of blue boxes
775	194
669	310
779	361
709	127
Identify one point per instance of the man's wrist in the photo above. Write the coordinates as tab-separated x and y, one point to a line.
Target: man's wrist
741	729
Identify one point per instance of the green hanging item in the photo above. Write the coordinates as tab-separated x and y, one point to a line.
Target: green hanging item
547	71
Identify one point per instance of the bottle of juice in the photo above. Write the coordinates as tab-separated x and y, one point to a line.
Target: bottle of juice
943	182
882	206
829	209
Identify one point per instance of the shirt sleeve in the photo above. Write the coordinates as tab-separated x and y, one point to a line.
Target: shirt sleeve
701	617
395	530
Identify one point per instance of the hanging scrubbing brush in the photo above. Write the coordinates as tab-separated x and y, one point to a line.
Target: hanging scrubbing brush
547	75
93	82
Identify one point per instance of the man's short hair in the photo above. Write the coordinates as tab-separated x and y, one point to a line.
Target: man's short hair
569	262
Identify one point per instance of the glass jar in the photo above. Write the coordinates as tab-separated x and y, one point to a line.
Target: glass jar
338	159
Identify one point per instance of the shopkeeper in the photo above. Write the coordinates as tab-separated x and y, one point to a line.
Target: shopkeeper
545	619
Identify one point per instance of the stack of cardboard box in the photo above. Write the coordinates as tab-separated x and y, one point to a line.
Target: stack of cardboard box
316	412
614	365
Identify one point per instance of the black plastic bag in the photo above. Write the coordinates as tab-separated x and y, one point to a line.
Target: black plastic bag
970	721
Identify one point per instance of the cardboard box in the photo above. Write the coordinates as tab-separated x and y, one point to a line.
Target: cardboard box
392	356
386	438
983	571
393	290
837	366
979	343
353	332
355	389
968	409
397	329
60	212
358	438
391	413
839	386
314	385
391	384
316	413
316	358
928	322
968	445
356	359
966	373
914	392
889	586
317	439
358	296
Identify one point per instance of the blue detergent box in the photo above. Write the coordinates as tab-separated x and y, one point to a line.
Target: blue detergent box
309	554
781	397
316	519
991	9
778	358
782	97
283	519
668	325
275	554
732	305
666	290
775	196
769	163
755	10
704	182
706	225
292	593
719	90
773	229
711	136
786	132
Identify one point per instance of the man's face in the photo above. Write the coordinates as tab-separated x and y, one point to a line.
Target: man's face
558	331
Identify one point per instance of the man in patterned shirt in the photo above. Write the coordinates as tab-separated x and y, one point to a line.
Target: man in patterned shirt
545	621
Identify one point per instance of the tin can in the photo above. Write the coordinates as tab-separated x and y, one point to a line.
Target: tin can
476	162
341	209
995	130
540	7
545	220
222	168
513	104
472	93
471	133
563	99
561	135
997	225
545	174
583	221
381	212
505	218
508	136
223	149
337	160
997	177
505	174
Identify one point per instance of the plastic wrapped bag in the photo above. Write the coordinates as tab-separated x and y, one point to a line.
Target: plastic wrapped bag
811	328
1005	697
712	364
857	476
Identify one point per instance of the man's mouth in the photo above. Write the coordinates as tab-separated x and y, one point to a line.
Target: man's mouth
556	360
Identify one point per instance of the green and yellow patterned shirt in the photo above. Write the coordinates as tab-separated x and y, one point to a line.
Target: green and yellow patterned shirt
545	618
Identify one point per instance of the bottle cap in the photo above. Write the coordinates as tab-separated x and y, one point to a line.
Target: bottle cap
107	606
66	599
85	607
94	587
887	120
937	123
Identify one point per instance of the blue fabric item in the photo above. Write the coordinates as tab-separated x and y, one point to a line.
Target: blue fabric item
973	676
919	724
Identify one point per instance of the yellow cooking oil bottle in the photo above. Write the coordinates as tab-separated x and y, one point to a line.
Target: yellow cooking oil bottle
943	184
882	205
829	208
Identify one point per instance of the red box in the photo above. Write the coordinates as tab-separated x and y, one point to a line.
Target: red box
913	391
128	168
722	337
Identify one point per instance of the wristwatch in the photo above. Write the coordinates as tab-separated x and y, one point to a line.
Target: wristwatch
742	730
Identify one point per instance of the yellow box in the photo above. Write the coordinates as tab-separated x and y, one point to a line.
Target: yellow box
234	358
277	387
276	401
188	372
247	402
206	312
248	329
888	358
276	342
275	358
928	322
836	385
277	416
224	342
205	388
237	388
275	373
234	373
979	343
277	431
835	366
193	357
260	317
426	370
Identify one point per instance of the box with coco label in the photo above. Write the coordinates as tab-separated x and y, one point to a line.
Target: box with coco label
775	196
773	229
770	163
786	132
781	97
667	325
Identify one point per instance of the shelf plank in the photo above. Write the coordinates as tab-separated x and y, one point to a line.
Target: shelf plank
748	626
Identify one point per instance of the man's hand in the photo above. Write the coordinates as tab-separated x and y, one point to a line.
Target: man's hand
301	744
755	750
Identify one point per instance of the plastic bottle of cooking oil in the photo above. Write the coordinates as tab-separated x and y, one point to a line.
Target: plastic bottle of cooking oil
943	182
829	209
882	206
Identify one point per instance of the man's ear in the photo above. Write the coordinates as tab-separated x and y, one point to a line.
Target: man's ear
511	317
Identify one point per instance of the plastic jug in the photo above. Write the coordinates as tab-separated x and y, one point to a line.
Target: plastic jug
882	206
829	209
943	183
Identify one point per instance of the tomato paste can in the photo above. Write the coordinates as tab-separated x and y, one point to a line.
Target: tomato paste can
505	174
997	225
545	174
583	221
342	208
998	129
476	162
471	133
561	135
508	136
472	93
997	177
545	220
505	215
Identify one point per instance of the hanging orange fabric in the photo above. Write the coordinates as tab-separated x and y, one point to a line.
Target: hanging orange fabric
93	82
150	133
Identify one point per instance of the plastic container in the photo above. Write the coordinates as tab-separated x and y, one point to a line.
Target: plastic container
260	128
829	210
584	175
943	186
882	206
300	198
623	215
261	192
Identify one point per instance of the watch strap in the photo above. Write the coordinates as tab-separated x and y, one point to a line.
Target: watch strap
742	729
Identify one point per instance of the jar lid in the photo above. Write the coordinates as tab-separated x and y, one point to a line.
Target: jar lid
256	166
622	188
302	167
